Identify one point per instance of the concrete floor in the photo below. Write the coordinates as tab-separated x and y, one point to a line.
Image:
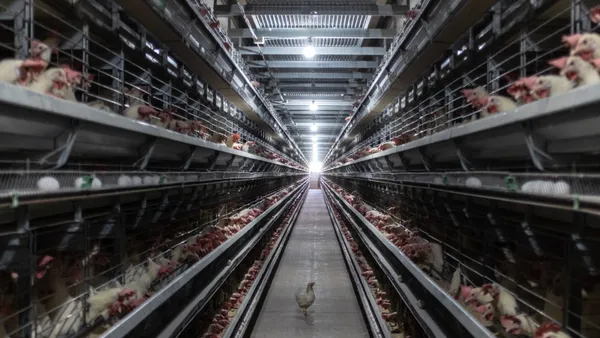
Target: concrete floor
312	254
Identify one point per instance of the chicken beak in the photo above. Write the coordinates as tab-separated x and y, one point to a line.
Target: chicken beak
571	40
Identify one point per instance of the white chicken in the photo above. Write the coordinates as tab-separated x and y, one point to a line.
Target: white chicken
16	71
549	85
307	298
586	46
99	301
576	69
49	81
497	104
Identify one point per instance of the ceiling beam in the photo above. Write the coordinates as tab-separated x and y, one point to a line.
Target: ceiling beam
313	9
296	33
314	85
320	103
313	64
311	75
318	50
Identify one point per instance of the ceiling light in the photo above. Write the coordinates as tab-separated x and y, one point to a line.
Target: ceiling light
313	106
309	50
313	127
314	138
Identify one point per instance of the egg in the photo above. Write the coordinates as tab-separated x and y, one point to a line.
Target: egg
48	183
438	180
136	180
561	188
124	181
473	182
148	180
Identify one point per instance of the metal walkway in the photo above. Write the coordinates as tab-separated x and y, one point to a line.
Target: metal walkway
312	254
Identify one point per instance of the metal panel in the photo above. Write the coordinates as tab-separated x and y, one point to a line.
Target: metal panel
313	64
318	50
311	9
314	33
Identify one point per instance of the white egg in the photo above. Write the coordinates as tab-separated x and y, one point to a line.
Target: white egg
547	188
136	180
96	183
148	180
561	188
156	179
48	183
438	180
473	182
124	181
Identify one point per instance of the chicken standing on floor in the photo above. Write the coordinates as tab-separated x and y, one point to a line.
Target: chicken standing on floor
306	299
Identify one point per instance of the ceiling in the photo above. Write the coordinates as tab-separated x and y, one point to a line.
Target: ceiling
349	39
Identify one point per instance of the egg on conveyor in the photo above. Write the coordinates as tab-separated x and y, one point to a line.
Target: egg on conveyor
438	180
124	181
85	182
136	180
561	188
48	183
473	182
148	180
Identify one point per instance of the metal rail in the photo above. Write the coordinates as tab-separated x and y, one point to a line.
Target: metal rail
418	290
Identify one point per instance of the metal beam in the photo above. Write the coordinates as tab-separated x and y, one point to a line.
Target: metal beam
313	64
316	98
318	50
336	85
294	75
313	9
294	33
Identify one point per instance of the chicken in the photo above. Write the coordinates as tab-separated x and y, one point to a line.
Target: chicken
595	14
391	144
50	81
140	112
519	90
575	68
305	299
249	146
496	104
41	50
586	46
231	140
545	86
99	301
475	95
505	302
180	126
20	72
550	330
164	119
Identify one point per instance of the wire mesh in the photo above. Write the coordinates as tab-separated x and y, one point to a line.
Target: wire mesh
493	57
100	249
545	258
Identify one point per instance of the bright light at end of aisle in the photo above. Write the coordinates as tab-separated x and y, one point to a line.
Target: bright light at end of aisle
313	106
315	166
315	138
313	127
309	51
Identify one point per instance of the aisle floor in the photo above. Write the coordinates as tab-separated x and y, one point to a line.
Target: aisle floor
312	254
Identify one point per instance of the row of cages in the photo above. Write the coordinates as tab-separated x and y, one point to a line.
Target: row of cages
74	269
546	274
117	66
511	55
183	16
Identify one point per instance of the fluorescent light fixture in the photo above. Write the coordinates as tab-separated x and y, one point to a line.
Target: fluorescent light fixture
309	51
313	127
313	106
